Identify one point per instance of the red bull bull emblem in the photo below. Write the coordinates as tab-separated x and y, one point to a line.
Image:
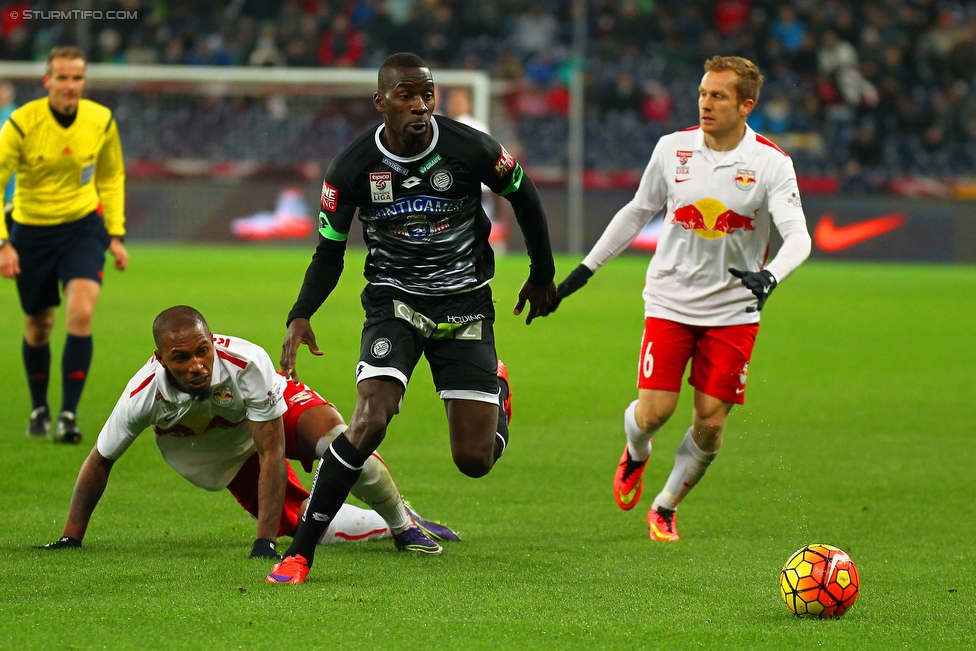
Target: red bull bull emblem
745	179
223	397
710	219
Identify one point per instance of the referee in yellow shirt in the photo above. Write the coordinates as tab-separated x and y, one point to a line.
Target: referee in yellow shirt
69	207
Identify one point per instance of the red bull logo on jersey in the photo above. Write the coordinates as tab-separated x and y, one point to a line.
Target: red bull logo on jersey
745	179
710	219
223	397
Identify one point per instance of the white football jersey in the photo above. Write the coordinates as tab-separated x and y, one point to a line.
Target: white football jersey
718	210
206	441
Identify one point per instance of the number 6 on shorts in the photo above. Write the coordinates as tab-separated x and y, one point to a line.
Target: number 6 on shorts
647	361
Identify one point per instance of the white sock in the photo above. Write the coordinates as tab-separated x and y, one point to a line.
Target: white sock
690	464
323	443
353	524
638	441
376	487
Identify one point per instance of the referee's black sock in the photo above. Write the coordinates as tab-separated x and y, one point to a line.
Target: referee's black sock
75	361
339	469
37	363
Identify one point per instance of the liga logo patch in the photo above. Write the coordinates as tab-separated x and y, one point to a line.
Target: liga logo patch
381	348
381	187
504	164
330	197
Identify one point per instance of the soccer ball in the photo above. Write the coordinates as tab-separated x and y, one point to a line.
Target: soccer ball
819	581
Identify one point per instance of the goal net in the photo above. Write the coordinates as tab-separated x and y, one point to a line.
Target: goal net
220	154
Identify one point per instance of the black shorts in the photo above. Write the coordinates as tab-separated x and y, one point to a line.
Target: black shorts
455	333
60	252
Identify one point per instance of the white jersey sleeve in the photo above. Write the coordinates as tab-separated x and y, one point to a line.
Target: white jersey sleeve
132	414
652	193
784	205
261	387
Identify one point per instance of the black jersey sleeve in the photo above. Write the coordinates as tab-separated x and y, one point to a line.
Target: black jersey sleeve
501	172
321	277
531	218
337	210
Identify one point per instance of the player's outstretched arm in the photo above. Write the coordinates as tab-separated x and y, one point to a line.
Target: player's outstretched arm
89	487
538	290
269	439
760	283
299	332
574	281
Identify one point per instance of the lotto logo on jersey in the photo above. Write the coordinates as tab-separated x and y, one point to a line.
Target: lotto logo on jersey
745	179
710	219
330	197
504	164
381	187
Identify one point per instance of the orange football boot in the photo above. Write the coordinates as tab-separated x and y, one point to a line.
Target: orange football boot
628	481
502	372
292	569
662	529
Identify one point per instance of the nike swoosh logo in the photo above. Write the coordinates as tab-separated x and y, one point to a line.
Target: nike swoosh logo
168	419
627	498
831	238
740	390
681	180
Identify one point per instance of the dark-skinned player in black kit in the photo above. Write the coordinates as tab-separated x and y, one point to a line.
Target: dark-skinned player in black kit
416	182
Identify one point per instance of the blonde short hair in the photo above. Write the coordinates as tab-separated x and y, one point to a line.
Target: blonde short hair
750	79
64	52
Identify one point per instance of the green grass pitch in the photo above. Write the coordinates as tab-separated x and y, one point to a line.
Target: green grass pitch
858	432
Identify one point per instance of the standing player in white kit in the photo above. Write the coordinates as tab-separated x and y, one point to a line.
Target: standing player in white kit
722	186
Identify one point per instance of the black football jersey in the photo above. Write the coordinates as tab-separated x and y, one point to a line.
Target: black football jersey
421	216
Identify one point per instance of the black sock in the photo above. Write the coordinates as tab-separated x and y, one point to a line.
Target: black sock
501	436
75	361
339	469
37	362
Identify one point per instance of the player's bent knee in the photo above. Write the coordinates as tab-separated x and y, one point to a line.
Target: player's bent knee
652	416
473	465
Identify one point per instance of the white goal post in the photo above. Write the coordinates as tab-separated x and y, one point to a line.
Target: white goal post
205	146
222	80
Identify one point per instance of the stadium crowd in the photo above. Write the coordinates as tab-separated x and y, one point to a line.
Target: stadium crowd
861	92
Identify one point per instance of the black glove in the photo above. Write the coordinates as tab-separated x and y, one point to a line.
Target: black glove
65	542
760	283
576	279
264	548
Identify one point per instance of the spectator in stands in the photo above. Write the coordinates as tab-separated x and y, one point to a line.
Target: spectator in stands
341	45
657	105
938	40
625	97
266	51
788	29
835	54
730	16
535	31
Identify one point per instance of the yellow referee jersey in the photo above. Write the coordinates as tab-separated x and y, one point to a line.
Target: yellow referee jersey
63	173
